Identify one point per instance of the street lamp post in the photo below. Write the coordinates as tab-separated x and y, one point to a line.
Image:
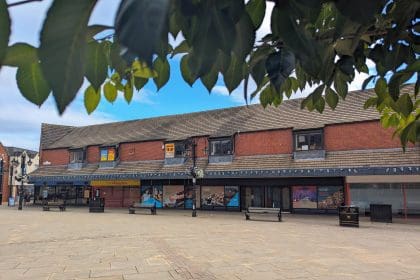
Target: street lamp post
22	176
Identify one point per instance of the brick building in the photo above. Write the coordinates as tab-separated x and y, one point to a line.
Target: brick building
10	168
282	157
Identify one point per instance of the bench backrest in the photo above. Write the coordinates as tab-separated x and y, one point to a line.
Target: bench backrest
263	210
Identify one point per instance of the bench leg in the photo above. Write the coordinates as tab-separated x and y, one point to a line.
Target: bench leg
246	217
131	211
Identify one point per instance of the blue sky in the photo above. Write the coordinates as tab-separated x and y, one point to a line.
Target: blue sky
20	120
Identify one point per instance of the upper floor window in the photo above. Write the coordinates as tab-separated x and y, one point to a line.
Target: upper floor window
221	147
175	150
77	156
309	140
108	154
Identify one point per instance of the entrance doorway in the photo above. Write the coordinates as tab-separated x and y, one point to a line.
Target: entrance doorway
266	196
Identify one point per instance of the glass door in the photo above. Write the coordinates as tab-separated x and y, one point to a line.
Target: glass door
273	197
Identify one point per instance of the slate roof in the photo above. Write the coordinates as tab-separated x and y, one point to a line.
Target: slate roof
222	122
15	151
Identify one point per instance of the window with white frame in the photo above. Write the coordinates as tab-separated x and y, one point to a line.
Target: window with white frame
77	156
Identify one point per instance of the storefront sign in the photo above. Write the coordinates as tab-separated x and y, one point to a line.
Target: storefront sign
170	150
115	183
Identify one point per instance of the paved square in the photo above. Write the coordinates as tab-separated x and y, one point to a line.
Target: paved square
115	245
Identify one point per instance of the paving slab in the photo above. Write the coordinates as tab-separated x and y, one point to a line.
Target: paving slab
172	245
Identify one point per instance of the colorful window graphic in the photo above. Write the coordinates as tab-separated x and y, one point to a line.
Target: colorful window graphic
304	197
232	196
212	196
330	197
151	195
108	154
173	196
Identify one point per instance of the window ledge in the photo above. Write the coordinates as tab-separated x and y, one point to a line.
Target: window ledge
76	165
309	155
221	159
175	161
107	164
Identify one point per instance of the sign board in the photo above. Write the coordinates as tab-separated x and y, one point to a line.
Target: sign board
115	183
169	150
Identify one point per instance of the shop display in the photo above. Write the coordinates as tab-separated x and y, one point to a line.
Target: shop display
330	197
212	196
173	196
304	197
232	196
152	195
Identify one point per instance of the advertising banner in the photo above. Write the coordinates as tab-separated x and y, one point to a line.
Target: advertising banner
151	195
104	155
173	196
330	197
232	196
212	196
304	197
169	150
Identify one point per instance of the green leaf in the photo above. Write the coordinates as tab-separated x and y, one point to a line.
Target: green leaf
414	67
225	29
63	48
96	67
92	98
110	92
340	85
139	83
381	87
396	81
186	71
245	37
95	29
367	81
256	10
32	84
360	11
20	54
371	102
234	74
162	68
141	70
331	97
4	29
405	105
279	66
181	48
117	63
128	92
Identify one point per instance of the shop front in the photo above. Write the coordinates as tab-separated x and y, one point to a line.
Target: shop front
70	193
117	193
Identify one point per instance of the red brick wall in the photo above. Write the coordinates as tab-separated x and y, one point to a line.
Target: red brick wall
202	144
361	135
56	156
5	175
92	154
151	150
264	143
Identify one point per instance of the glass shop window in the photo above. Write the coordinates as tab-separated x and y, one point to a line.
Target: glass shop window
311	140
221	147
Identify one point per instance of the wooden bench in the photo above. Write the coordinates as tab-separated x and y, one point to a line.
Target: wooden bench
60	205
138	206
270	212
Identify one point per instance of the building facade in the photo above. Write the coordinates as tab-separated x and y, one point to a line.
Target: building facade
10	166
248	156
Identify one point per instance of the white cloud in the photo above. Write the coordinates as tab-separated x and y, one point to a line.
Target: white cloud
144	96
20	120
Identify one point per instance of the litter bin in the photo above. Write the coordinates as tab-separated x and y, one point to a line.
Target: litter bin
348	216
11	201
381	213
97	205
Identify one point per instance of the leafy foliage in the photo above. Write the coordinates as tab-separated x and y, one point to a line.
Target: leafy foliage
317	44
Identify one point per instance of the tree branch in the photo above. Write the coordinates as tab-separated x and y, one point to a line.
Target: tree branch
22	3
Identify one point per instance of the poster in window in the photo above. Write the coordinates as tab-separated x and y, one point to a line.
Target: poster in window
170	150
111	154
151	195
212	196
304	197
173	196
188	200
104	155
232	196
330	197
